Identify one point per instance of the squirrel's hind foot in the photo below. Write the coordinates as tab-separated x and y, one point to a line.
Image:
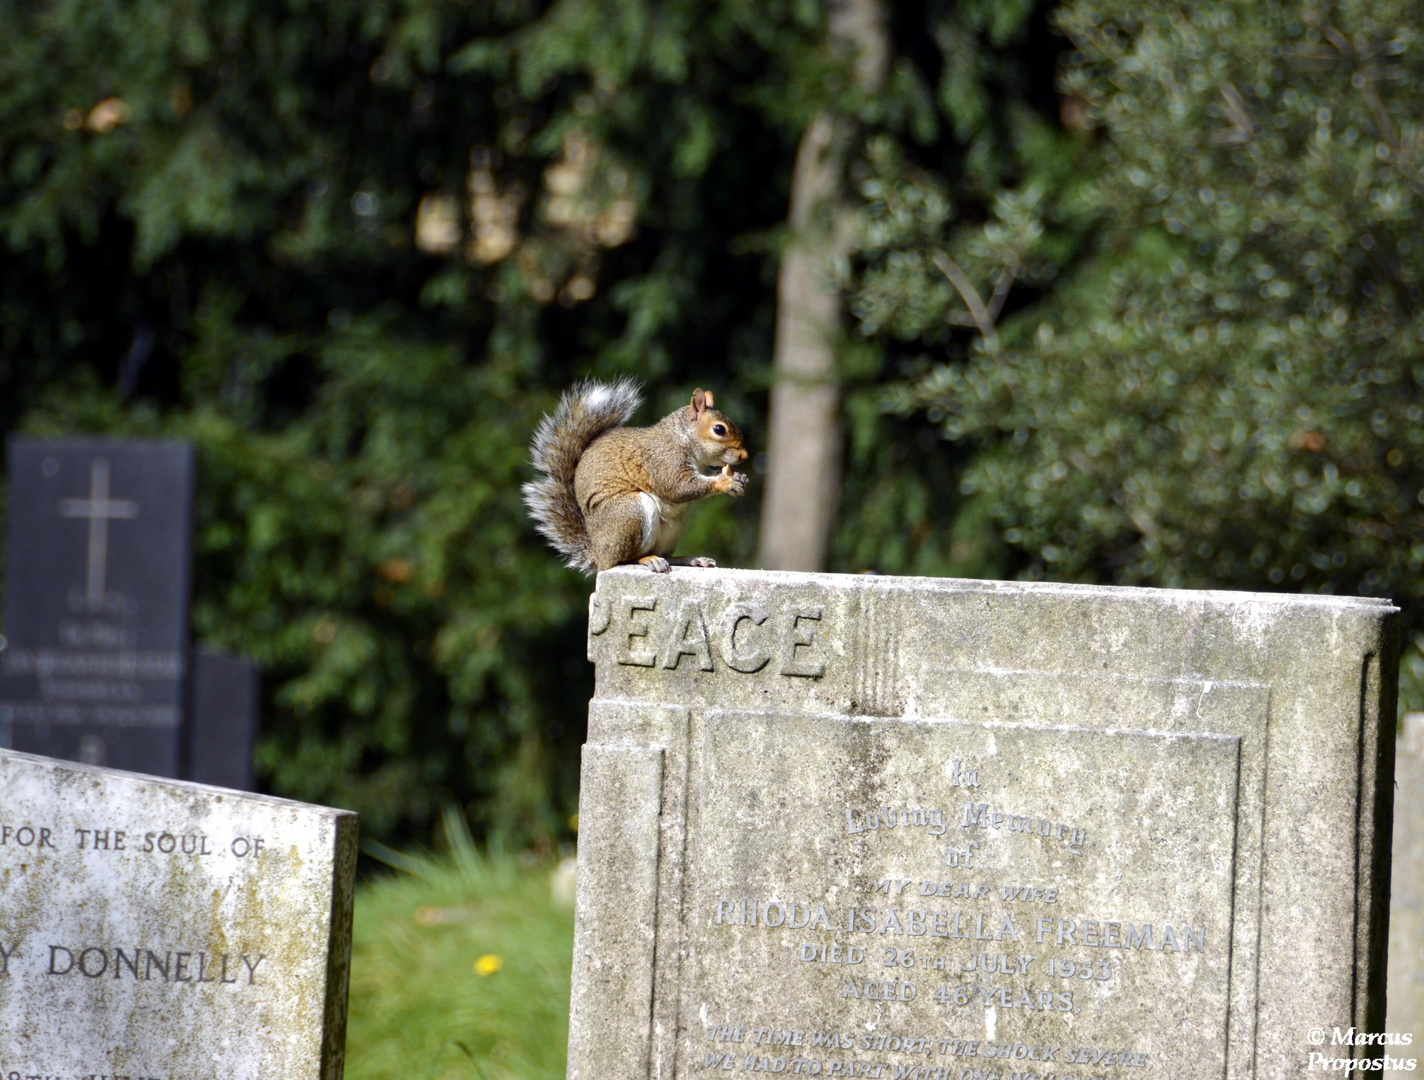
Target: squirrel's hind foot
660	565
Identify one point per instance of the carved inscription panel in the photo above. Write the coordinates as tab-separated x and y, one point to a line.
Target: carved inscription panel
166	930
925	899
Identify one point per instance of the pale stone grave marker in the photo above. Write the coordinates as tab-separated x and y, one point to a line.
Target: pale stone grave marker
1406	901
925	829
164	930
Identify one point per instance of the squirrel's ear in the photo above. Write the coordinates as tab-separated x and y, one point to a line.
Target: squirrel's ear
700	401
709	400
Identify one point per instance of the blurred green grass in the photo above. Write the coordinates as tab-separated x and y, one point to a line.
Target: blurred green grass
420	1009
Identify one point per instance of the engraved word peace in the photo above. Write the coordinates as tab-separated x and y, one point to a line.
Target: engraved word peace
746	638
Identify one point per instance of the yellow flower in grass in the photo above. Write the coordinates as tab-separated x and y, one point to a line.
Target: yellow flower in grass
488	964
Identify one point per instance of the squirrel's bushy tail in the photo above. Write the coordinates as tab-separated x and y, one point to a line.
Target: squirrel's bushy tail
585	412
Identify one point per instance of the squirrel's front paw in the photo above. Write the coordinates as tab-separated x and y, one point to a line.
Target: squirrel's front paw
733	483
656	563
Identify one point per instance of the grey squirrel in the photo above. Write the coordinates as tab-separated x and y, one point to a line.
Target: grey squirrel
612	494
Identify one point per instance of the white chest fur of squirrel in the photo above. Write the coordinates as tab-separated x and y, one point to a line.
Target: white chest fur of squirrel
612	494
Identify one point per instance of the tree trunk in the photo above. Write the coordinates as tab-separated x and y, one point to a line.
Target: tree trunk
803	436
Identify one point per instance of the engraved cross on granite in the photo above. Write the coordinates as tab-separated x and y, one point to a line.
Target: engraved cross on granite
100	510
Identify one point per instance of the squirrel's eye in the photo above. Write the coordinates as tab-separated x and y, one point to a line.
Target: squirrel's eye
719	430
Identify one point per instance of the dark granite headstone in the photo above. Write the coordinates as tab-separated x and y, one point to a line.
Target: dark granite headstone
224	725
97	590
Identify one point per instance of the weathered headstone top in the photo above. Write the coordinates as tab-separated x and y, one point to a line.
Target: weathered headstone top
856	826
169	931
98	569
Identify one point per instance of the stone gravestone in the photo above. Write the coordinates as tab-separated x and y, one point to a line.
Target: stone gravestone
97	666
98	574
924	829
1406	901
224	728
163	930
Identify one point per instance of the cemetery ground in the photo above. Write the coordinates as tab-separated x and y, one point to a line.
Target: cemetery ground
459	969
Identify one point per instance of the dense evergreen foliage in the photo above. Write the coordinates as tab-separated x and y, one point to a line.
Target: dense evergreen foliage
1226	388
353	250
